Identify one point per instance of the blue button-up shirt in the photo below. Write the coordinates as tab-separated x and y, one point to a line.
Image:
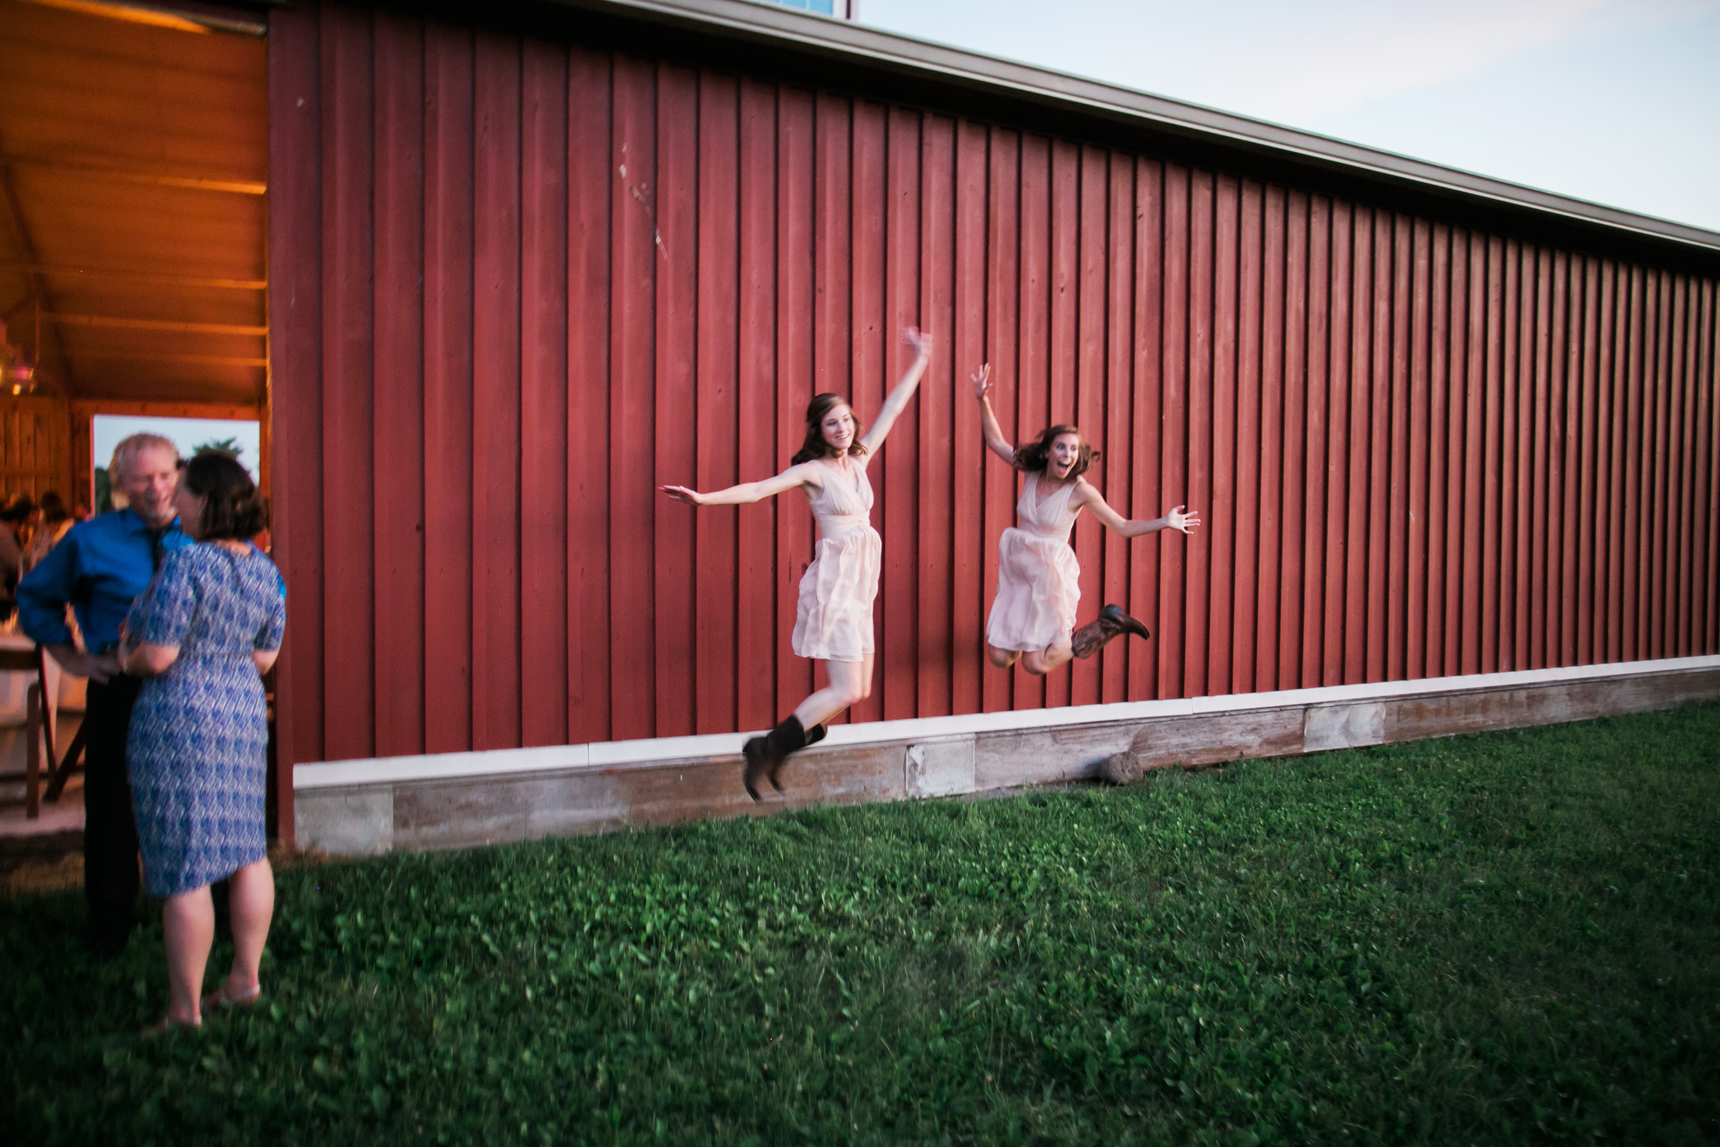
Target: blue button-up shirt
99	568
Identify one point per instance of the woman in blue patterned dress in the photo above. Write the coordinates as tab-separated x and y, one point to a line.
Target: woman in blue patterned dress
202	635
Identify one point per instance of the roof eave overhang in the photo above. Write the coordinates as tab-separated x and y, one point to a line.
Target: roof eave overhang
841	54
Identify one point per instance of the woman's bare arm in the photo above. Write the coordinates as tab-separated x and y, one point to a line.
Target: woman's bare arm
994	439
898	400
1088	496
148	659
805	474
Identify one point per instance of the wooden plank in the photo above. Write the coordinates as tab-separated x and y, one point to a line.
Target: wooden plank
1062	361
715	463
1359	452
398	608
544	667
348	505
1003	285
873	342
1174	385
1570	440
898	673
590	147
1616	289
1406	502
1541	490
1192	741
1338	434
1119	398
1633	545
1270	621
755	632
448	354
1657	459
632	368
1679	476
1035	268
1203	481
1315	524
1444	425
967	345
936	401
1301	460
1147	433
795	529
495	471
1706	571
1243	445
675	206
1088	215
295	370
1384	401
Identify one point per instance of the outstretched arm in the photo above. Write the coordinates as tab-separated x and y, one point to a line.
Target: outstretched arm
805	474
898	400
1176	519
994	439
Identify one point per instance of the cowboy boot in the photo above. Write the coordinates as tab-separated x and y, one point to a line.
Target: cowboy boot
787	738
1111	622
756	765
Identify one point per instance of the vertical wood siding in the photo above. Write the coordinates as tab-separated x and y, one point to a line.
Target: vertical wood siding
516	285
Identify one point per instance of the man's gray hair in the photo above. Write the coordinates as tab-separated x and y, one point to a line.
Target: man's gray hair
130	447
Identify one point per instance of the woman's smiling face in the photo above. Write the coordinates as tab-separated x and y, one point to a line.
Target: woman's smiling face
1065	451
837	427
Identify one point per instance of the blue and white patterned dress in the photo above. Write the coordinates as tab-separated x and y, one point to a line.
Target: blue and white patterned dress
197	752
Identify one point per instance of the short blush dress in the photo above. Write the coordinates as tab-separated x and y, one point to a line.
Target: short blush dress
1038	578
833	619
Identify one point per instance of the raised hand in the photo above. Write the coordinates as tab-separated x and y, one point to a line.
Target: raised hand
1178	520
982	381
919	340
682	494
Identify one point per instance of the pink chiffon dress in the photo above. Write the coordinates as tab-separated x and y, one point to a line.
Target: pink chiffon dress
833	618
1038	578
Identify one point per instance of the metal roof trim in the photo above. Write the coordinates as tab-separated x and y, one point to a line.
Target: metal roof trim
766	22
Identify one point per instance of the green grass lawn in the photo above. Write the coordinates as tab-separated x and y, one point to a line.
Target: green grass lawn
1502	939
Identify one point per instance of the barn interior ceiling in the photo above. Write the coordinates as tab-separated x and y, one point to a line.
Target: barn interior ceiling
133	203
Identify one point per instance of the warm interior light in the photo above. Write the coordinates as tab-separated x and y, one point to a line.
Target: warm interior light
127	12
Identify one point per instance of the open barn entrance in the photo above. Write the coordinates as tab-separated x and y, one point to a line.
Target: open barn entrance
133	211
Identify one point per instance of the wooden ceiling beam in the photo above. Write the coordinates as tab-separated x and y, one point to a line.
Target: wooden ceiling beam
119	323
140	176
187	359
153	279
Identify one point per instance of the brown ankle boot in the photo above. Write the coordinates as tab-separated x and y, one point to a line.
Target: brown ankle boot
1111	622
786	738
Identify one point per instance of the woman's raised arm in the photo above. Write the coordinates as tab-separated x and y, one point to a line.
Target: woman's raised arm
898	400
994	439
805	474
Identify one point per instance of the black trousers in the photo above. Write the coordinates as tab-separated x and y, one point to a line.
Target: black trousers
111	880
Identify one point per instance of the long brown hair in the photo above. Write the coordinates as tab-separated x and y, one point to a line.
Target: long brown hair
1032	456
815	446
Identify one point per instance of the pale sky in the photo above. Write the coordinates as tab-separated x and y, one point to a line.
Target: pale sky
1614	101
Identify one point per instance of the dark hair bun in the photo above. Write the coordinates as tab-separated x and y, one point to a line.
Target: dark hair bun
232	507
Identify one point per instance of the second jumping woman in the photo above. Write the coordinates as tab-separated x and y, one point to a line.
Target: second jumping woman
1038	580
833	618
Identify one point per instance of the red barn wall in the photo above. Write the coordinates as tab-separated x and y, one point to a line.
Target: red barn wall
517	284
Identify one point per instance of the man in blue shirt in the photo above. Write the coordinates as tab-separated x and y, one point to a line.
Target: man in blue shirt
99	568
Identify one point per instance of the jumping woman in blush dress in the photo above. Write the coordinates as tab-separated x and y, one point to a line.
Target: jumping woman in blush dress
833	618
1038	579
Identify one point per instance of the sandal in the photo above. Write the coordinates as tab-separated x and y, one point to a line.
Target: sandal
220	999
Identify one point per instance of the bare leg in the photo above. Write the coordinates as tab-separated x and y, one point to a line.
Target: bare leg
188	920
253	906
1043	661
850	681
1002	658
